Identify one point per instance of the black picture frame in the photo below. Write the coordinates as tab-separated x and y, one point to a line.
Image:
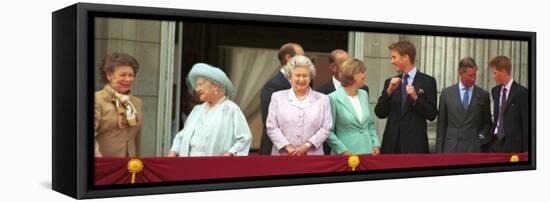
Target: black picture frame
73	91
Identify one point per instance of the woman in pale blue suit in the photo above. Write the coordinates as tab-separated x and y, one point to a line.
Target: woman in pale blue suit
353	132
216	127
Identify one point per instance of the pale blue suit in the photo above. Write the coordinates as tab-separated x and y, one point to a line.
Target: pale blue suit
348	134
221	129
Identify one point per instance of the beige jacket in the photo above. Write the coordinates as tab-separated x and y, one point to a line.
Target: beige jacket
111	138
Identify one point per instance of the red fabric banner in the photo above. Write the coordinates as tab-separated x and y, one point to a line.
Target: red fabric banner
115	170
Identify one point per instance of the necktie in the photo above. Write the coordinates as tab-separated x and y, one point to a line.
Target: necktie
465	99
500	132
404	91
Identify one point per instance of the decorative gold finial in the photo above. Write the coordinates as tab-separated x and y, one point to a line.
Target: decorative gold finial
134	166
353	162
514	158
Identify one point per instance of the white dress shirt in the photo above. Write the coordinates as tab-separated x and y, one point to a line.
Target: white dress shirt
336	83
357	107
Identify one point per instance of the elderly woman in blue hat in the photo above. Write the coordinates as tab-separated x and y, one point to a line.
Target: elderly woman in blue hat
216	127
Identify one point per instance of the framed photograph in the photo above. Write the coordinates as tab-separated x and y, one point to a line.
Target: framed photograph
158	100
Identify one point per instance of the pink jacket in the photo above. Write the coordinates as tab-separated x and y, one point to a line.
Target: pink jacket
290	122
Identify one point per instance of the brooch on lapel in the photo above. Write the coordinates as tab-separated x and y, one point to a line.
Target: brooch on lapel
478	98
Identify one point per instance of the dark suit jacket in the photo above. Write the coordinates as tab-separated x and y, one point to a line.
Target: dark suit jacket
277	83
458	130
406	130
516	124
326	89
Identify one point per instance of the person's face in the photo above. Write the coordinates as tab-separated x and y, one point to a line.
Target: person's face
339	59
298	50
205	89
399	62
121	79
359	79
300	78
468	77
499	76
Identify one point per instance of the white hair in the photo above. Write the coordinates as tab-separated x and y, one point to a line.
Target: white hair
300	60
215	83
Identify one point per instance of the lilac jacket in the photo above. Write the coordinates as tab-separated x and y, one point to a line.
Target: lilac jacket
289	122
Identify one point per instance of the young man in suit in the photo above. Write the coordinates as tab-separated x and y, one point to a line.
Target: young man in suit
336	59
510	131
276	83
464	119
407	101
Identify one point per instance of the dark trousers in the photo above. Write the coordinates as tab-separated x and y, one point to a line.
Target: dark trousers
496	145
326	148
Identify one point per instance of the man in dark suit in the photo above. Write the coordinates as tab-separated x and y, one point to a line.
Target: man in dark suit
277	83
336	59
510	131
464	119
407	100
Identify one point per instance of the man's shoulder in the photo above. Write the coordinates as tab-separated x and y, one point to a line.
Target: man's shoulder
449	89
277	80
325	88
424	76
481	90
520	87
387	81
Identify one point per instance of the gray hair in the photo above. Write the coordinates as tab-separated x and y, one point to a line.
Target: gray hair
466	62
220	86
300	60
334	53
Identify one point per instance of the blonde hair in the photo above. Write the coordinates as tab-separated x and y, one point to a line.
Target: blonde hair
349	68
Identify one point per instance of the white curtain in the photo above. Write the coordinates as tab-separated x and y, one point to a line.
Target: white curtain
439	57
249	69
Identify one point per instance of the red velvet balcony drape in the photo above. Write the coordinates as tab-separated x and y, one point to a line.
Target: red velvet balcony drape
115	170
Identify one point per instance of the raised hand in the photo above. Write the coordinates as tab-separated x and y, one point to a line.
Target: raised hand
394	82
411	91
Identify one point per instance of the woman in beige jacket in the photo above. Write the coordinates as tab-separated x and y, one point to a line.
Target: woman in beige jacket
117	115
